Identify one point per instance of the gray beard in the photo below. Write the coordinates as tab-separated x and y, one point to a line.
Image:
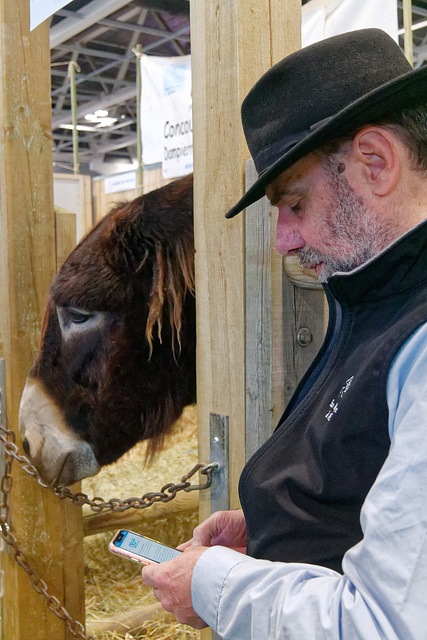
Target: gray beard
358	235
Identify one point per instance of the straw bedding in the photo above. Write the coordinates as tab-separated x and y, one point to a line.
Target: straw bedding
112	584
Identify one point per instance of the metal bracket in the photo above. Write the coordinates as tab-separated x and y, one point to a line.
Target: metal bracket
2	452
220	499
2	394
218	428
2	411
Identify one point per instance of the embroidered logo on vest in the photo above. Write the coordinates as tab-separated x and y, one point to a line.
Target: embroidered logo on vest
335	403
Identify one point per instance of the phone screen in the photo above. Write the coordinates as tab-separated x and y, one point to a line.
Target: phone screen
144	547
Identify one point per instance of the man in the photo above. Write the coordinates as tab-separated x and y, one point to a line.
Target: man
334	517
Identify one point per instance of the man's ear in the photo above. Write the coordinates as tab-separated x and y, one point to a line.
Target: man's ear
378	155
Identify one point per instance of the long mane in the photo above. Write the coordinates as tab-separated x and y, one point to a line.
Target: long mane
173	277
168	242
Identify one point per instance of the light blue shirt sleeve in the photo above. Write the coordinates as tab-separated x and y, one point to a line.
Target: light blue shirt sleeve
383	592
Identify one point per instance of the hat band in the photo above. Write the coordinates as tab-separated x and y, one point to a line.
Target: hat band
271	153
274	151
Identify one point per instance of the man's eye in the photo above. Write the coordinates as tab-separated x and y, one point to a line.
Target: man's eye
296	207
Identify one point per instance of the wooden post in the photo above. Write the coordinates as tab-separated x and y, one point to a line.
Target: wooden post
73	193
139	171
72	66
48	531
65	236
408	37
233	43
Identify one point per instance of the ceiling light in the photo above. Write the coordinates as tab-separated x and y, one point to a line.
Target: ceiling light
105	122
100	119
80	127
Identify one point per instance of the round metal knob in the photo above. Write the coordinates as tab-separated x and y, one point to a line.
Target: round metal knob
304	337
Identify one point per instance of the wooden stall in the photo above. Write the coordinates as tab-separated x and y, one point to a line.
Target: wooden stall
233	44
250	354
73	194
48	531
65	235
103	201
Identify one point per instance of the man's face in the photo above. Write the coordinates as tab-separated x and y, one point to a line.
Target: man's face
322	218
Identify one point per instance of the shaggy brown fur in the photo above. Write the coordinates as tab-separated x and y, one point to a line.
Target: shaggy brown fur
130	378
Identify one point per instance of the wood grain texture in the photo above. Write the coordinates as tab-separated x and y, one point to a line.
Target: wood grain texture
65	236
303	308
233	44
183	504
80	189
27	265
258	307
104	202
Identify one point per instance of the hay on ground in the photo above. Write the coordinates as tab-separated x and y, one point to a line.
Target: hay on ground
113	585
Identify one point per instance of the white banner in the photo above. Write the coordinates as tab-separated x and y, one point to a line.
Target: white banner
120	182
166	122
325	18
166	114
42	9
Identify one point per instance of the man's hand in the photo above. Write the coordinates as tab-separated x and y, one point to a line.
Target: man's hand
171	583
227	528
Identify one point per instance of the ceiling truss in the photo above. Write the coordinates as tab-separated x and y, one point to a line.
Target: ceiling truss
100	36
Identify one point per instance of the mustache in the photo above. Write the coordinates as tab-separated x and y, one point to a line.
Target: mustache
308	257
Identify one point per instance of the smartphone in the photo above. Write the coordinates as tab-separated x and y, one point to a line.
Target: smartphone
140	549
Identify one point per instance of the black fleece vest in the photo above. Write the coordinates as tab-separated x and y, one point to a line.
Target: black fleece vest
303	490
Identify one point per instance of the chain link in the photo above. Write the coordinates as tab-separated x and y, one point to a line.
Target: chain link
166	493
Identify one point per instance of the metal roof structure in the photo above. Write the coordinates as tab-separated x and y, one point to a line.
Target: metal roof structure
100	36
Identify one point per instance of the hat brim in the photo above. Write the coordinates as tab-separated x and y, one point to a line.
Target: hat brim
393	96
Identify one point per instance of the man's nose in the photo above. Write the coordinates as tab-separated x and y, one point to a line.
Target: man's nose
288	238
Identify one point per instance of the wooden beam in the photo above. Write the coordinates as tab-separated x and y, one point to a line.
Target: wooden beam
27	265
233	44
131	620
75	193
183	505
65	235
408	37
260	420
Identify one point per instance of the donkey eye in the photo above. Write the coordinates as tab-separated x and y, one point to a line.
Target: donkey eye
74	321
72	315
77	316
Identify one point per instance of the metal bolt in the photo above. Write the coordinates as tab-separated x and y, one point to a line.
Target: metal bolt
304	337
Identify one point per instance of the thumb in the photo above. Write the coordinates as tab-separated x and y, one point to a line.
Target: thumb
189	543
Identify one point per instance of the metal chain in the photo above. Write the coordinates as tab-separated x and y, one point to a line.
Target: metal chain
166	493
11	454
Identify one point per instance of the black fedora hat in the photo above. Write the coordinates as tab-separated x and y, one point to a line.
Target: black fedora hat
320	93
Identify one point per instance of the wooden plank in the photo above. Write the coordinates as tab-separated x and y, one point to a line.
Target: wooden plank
79	190
86	211
304	308
27	265
153	179
276	357
104	202
184	503
65	236
233	44
130	621
258	304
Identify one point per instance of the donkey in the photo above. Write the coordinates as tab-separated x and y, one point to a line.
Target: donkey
117	357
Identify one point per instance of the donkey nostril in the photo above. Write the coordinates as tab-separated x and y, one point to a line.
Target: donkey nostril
26	446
